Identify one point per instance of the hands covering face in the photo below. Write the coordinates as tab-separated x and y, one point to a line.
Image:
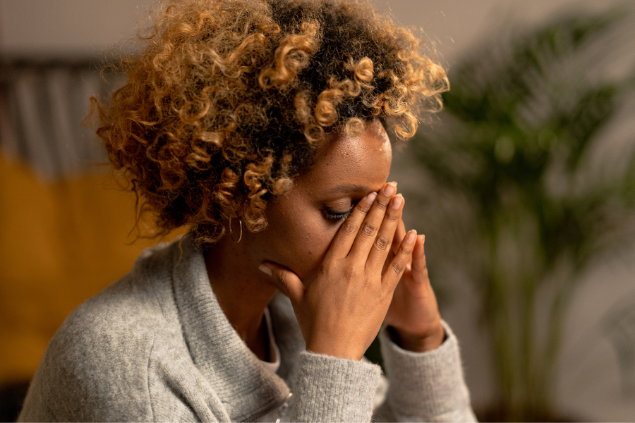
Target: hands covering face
373	272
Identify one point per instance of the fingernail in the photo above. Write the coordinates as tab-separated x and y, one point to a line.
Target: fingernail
423	239
396	202
411	237
389	189
371	197
265	269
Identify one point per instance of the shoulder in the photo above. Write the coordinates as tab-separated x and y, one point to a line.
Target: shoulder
95	367
124	316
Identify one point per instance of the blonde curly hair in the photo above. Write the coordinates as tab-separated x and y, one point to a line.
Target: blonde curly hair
230	98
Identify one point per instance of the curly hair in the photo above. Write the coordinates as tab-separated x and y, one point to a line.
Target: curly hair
229	99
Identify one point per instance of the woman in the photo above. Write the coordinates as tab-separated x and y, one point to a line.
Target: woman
264	126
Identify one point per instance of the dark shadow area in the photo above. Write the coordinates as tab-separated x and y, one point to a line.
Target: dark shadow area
11	400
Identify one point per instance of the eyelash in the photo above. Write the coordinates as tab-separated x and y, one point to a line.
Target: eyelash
337	216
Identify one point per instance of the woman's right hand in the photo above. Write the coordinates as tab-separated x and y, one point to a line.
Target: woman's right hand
341	310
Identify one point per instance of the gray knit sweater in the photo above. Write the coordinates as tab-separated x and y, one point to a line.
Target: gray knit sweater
156	346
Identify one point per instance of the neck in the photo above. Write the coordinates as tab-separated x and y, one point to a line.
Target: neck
242	291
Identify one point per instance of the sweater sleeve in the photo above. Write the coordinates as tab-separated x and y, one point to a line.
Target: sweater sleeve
332	389
425	386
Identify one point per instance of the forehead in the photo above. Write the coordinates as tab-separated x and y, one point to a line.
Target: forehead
363	160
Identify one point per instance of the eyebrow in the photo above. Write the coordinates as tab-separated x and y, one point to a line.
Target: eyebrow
350	188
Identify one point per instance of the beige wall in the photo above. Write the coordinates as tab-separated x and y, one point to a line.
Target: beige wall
50	27
89	26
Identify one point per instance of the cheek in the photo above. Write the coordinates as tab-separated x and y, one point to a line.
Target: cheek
304	242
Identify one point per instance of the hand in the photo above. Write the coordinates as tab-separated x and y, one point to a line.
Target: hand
341	310
413	312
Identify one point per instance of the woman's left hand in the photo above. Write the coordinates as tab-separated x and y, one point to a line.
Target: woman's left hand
413	312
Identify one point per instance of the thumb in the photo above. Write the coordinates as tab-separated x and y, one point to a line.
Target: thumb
286	281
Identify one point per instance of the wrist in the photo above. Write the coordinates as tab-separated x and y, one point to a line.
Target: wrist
418	343
332	350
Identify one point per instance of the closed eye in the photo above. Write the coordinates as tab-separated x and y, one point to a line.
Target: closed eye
337	216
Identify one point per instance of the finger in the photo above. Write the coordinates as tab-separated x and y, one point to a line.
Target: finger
341	245
419	267
399	236
370	226
400	233
383	241
401	260
285	280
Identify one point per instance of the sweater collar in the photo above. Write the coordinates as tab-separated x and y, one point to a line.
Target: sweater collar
238	378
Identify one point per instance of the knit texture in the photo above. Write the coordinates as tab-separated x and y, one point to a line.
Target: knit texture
434	372
327	385
156	346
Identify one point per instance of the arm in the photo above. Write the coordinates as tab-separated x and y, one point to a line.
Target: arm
424	386
334	389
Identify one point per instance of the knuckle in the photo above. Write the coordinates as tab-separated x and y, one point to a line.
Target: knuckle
405	250
368	229
398	268
363	207
350	272
349	227
393	215
381	243
325	269
368	282
382	203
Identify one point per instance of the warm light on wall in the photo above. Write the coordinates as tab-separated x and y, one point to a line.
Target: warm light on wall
61	243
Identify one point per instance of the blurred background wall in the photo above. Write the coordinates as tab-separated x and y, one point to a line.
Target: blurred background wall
65	227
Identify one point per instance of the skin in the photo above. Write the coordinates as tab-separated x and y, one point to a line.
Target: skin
343	275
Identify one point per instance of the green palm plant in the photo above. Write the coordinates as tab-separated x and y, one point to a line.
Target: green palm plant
520	171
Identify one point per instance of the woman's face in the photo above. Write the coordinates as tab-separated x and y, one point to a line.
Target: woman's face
303	222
